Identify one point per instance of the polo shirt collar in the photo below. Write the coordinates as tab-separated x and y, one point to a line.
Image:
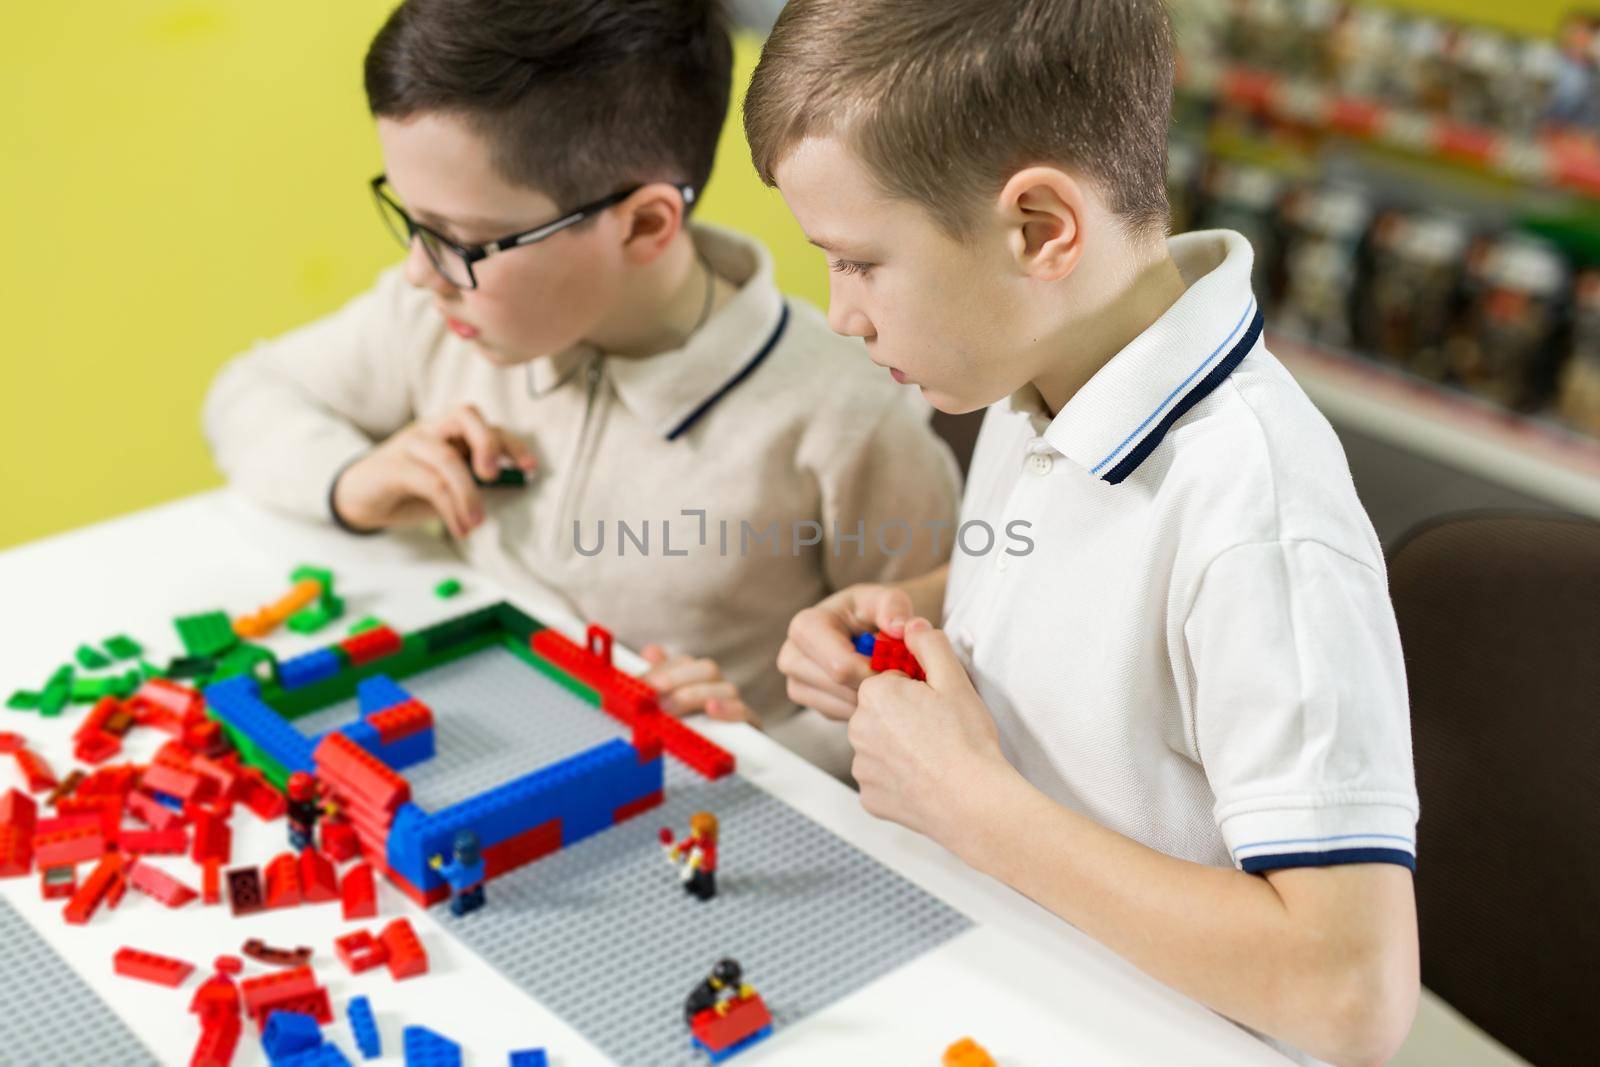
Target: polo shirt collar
1122	413
671	390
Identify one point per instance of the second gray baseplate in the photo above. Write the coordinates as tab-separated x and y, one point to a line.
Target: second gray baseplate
49	1017
603	934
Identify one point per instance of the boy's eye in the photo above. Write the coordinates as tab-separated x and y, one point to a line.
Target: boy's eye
849	266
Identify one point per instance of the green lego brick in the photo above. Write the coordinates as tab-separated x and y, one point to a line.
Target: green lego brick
321	575
413	658
121	646
447	589
361	626
245	658
516	622
91	658
24	700
57	691
207	634
551	671
509	477
89	690
310	619
190	667
443	635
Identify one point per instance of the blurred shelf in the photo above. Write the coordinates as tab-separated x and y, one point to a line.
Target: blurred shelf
1569	162
1524	452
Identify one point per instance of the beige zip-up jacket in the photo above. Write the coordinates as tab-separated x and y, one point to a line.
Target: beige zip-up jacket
723	483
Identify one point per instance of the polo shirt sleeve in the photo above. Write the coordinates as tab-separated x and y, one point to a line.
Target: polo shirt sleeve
1298	708
283	418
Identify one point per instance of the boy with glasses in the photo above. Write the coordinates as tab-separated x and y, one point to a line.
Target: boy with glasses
700	454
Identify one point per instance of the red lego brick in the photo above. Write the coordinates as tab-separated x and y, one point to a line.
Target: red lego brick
744	1016
219	1036
314	1004
360	951
162	970
402	720
16	851
174	754
19	810
213	837
283	881
259	796
520	849
272	988
73	845
228	964
206	738
223	774
711	760
339	840
407	957
371	644
211	881
351	769
173	842
164	778
118	887
157	883
358	894
169	696
93	890
56	883
318	880
72	820
114	781
94	720
244	891
634	807
95	746
106	811
891	654
152	812
34	770
627	698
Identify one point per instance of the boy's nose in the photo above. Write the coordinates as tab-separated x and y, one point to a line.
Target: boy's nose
846	319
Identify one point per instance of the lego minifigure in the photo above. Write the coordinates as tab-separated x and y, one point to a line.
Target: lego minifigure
305	807
695	856
464	873
718	990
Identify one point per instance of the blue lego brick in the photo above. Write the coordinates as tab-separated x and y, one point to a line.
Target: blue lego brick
365	1027
310	667
733	1049
865	643
424	1048
166	799
529	1057
289	1032
407	751
238	704
362	733
326	1054
379	692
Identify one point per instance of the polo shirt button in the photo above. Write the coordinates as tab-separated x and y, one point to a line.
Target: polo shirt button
1040	463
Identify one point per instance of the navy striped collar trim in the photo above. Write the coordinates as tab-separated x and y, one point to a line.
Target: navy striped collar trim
727	387
1212	371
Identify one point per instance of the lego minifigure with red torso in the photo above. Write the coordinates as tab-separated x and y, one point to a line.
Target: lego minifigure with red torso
696	855
307	804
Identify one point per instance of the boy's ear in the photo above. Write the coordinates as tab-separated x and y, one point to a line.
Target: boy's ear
654	214
1043	210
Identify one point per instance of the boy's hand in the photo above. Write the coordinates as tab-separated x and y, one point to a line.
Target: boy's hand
423	470
686	685
921	745
819	657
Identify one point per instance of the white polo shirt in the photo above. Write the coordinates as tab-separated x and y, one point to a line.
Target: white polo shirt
1199	652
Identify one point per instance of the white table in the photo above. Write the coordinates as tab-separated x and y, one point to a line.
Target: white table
1030	988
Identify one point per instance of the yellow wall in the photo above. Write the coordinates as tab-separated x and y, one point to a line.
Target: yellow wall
180	177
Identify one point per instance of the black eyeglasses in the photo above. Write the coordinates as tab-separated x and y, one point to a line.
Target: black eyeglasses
454	261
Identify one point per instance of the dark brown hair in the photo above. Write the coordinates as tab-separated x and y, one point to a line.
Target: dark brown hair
577	98
944	101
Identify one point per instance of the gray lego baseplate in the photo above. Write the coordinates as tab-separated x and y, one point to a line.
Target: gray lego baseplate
602	932
49	1017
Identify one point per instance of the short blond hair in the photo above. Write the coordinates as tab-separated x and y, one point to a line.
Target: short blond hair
944	100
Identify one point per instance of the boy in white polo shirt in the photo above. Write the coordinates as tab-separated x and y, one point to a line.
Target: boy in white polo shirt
703	457
1179	718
